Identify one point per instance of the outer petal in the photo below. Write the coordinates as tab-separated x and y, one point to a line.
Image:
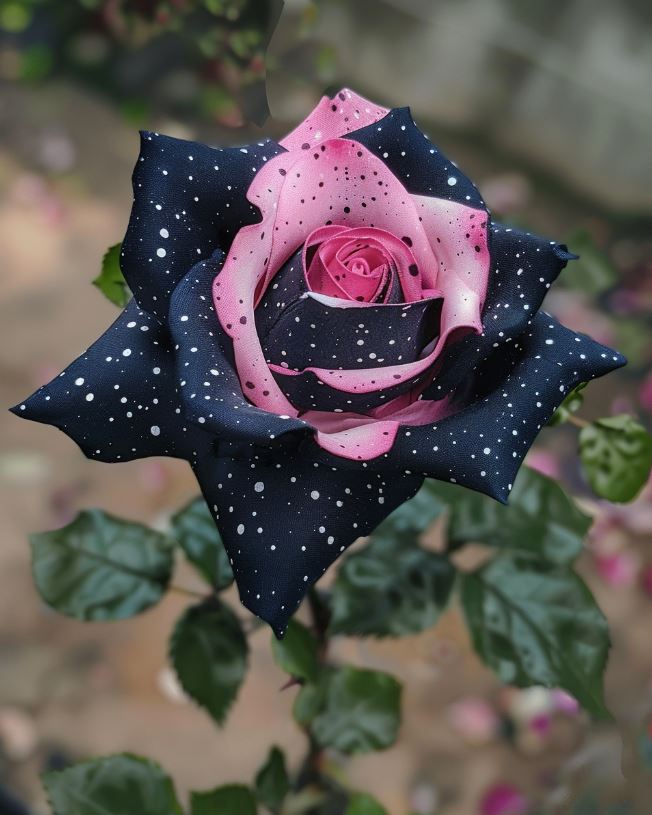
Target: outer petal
414	160
189	199
284	523
119	401
333	117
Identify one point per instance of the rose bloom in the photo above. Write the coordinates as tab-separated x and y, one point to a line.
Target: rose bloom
316	326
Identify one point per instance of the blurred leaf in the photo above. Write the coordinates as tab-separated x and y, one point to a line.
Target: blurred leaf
540	520
413	517
593	272
110	280
209	650
390	588
632	338
351	710
100	567
272	782
124	784
15	16
363	804
296	653
194	528
36	63
231	799
538	624
571	404
616	455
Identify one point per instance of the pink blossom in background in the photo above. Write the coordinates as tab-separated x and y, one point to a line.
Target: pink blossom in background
503	799
474	720
565	703
618	569
645	393
646	580
544	462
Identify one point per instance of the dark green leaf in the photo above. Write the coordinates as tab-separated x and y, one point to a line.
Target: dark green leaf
413	517
110	280
593	272
272	782
231	799
296	653
208	650
351	710
363	804
616	456
390	588
116	785
100	567
571	404
539	521
194	528
538	624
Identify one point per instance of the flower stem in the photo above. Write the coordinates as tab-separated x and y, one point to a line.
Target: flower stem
577	421
196	595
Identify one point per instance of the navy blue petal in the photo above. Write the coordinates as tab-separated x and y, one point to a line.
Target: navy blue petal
284	522
189	199
414	160
119	401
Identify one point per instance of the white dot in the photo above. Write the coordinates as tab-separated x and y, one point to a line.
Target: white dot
89	397
155	430
164	233
259	486
452	181
156	370
126	352
240	529
161	252
184	318
487	450
314	495
79	380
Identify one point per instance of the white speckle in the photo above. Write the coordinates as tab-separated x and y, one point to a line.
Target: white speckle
164	233
259	486
156	370
487	450
89	397
184	318
161	252
240	529
126	352
314	495
452	181
79	380
155	430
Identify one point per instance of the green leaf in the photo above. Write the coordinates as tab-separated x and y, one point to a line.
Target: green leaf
116	785
296	653
571	404
194	528
593	272
351	710
110	280
361	803
413	517
540	520
231	799
272	781
616	455
100	567
209	650
390	588
538	624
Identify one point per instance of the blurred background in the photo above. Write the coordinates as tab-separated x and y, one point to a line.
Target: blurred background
547	106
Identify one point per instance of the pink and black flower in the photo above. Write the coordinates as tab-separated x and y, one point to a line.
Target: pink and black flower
317	325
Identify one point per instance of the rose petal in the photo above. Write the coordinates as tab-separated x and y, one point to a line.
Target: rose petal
183	192
284	523
334	117
119	401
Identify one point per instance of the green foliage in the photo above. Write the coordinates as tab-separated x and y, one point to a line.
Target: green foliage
231	799
616	455
351	710
390	588
412	518
363	804
535	623
100	567
116	785
272	781
571	404
593	272
110	280
296	653
194	528
540	520
209	650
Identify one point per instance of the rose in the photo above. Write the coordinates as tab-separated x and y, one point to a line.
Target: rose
316	326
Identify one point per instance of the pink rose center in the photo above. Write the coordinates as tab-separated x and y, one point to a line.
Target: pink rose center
362	264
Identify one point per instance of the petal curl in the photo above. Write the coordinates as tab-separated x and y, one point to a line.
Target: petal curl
119	401
284	523
189	199
333	117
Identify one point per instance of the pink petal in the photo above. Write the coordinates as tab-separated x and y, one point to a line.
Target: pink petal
503	799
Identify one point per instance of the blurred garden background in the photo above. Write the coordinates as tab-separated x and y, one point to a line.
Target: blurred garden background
547	106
